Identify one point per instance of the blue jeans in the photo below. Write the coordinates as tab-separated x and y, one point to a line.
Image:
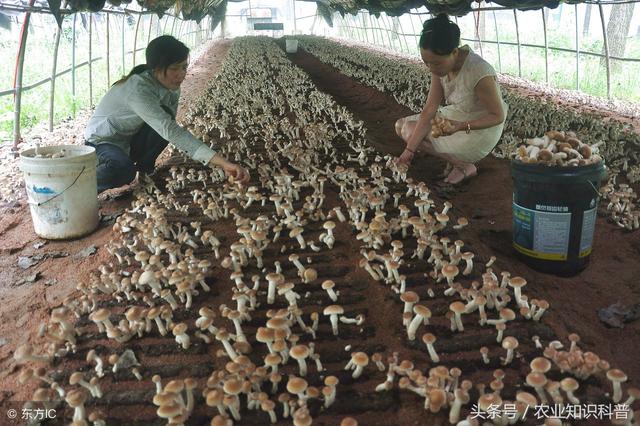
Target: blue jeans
116	168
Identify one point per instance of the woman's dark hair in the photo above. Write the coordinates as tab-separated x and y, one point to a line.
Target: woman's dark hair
160	54
440	35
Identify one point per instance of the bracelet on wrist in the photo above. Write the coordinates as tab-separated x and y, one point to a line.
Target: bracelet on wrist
407	149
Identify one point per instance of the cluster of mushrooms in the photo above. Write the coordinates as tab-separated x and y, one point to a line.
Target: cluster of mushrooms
312	175
622	204
558	149
440	126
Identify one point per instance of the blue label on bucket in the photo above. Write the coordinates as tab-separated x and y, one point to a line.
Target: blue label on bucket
42	190
541	234
586	234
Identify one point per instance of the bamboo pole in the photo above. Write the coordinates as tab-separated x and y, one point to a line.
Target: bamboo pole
606	50
52	92
416	36
495	24
124	22
164	27
90	61
135	40
73	66
385	20
515	17
17	82
546	47
295	23
150	26
108	58
364	28
575	8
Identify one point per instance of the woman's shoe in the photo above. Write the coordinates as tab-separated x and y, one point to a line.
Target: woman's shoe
460	174
446	171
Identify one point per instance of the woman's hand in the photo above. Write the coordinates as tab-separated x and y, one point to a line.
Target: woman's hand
234	172
453	127
405	158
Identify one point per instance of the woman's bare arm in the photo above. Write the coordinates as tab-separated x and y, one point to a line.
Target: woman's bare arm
423	125
487	92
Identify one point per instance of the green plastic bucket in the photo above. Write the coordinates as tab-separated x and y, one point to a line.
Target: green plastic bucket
554	215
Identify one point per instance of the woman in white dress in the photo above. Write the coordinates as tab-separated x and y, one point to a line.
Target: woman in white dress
464	91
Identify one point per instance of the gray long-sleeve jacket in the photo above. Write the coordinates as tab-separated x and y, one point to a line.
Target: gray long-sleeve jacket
127	106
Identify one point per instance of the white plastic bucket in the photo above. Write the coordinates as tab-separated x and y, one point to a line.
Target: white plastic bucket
62	192
291	45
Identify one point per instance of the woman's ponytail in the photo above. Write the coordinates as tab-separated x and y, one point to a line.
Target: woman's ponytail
138	69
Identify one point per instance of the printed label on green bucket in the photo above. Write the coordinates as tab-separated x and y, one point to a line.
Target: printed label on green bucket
541	234
588	228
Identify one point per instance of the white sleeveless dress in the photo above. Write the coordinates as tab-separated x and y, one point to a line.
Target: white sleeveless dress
462	104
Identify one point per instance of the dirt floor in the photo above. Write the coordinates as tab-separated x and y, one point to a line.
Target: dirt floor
28	295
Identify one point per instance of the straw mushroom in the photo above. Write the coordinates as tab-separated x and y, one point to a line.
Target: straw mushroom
537	381
76	398
422	315
429	339
458	309
333	311
328	286
300	354
510	344
360	360
570	385
180	332
617	377
517	283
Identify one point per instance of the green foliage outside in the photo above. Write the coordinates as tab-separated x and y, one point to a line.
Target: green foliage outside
562	65
39	62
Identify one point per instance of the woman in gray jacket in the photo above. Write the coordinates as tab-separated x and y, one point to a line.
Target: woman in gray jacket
135	120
